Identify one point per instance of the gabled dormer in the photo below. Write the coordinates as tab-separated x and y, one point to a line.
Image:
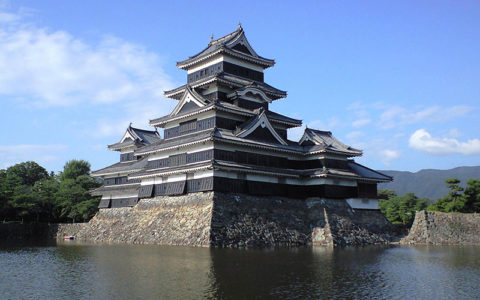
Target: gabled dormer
132	139
324	141
190	101
249	97
259	128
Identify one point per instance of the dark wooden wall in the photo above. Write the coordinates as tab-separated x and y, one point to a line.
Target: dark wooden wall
127	156
245	158
367	190
119	180
115	203
227	68
229	185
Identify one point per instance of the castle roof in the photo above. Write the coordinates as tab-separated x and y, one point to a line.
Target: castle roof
121	168
182	141
226	107
327	141
234	44
259	120
135	137
230	80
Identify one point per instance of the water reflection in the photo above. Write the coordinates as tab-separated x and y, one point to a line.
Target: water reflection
126	272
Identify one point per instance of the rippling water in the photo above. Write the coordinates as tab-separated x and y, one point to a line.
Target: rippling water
156	272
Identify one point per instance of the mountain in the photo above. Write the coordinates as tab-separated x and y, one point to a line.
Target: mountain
427	183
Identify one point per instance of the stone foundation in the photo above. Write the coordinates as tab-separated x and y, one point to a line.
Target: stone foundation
439	228
234	220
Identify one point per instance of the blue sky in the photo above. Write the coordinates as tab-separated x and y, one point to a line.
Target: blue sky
400	80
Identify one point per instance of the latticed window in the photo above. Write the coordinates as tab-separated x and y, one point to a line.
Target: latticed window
127	156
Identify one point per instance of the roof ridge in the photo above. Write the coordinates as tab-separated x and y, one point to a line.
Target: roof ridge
322	131
231	34
141	129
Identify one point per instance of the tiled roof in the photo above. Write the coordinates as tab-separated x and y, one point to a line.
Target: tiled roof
368	173
121	167
124	144
282	118
247	82
225	106
256	169
229	136
140	137
146	136
175	142
229	79
179	169
325	140
168	118
227	44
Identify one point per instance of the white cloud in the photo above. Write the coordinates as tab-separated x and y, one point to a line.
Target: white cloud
422	140
54	68
393	116
388	155
328	124
454	133
137	112
13	154
361	122
355	135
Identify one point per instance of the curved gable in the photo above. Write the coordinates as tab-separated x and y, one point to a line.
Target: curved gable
260	128
189	101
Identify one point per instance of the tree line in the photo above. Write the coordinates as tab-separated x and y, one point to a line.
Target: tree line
400	210
29	193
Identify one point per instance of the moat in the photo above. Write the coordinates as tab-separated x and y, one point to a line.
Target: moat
74	271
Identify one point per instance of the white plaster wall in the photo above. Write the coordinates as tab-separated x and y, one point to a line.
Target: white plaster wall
147	181
127	150
363	203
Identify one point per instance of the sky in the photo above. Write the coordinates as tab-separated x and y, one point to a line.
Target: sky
398	79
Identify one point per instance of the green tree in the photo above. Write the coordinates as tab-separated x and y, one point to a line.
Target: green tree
29	172
3	196
19	202
455	194
75	168
400	210
454	201
45	190
73	199
472	195
386	194
29	193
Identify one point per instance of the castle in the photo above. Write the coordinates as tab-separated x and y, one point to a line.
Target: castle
223	137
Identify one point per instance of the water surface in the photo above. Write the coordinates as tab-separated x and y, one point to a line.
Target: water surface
158	272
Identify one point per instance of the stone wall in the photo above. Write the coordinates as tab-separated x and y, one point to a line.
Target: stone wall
180	220
234	220
439	228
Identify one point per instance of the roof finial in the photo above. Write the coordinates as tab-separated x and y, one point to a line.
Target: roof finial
211	38
130	124
239	24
